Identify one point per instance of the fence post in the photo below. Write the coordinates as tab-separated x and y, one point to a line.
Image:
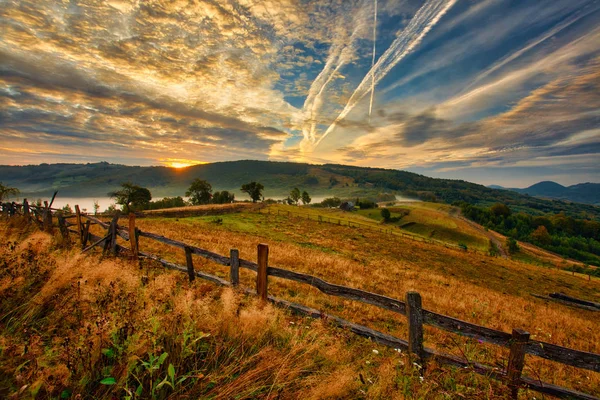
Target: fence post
261	277
26	212
234	266
414	313
516	360
63	229
79	224
47	217
190	263
85	235
133	238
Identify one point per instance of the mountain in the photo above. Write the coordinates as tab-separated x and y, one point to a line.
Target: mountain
588	193
97	179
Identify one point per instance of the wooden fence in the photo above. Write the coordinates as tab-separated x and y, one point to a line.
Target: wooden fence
519	341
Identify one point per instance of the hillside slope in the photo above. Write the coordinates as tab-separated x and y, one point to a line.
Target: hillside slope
588	193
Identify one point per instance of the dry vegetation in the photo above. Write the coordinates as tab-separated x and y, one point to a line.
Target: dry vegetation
72	321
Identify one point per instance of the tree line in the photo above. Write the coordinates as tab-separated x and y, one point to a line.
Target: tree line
132	197
571	237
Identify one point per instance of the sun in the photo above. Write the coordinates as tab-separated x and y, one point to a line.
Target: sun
180	163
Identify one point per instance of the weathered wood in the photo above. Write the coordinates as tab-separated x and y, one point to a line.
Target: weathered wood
47	217
553	390
121	232
414	314
132	235
234	266
466	328
565	302
79	223
62	225
190	263
113	234
516	360
170	265
575	300
26	211
96	243
261	275
219	259
564	355
49	206
85	235
338	290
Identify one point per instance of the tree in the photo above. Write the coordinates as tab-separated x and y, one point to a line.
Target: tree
199	192
305	198
295	196
541	235
223	197
386	214
131	197
96	207
254	190
6	192
512	245
500	209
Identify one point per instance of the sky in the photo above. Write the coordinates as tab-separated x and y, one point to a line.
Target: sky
489	91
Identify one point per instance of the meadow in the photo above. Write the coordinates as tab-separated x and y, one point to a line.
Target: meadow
226	345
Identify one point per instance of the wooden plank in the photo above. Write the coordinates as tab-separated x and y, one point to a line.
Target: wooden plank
387	303
199	274
575	300
78	222
133	242
85	234
466	328
565	302
553	390
261	275
121	232
96	243
190	263
113	234
564	355
219	259
234	267
414	313
516	360
62	225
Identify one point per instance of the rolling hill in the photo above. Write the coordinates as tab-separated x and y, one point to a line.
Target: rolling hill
87	180
588	193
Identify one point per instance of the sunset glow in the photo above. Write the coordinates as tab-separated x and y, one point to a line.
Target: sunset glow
489	91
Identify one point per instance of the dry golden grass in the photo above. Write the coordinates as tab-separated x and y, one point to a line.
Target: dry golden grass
470	286
79	305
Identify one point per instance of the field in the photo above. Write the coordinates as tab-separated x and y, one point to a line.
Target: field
313	361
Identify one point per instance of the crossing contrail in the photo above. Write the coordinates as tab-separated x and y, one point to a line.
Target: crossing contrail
373	59
423	21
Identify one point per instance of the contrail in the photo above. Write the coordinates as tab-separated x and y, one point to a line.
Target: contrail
373	59
423	21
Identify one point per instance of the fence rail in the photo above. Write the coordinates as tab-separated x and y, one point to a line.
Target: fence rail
518	342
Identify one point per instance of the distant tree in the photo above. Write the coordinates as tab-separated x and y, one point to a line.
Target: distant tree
386	214
254	190
305	198
331	202
131	197
67	208
499	209
223	197
96	207
295	195
512	245
541	235
333	181
6	192
199	192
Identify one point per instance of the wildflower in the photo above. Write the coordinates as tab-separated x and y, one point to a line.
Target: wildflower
375	351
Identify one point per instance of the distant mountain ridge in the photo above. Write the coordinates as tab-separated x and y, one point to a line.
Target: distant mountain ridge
587	193
97	179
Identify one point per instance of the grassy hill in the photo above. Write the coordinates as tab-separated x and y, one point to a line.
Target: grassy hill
88	180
